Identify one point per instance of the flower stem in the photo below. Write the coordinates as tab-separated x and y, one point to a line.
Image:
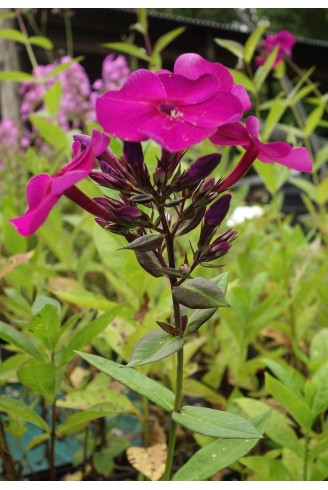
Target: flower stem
52	469
178	326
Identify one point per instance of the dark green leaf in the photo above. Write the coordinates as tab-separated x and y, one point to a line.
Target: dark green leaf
134	380
77	421
198	318
219	454
18	408
154	346
199	293
150	263
26	344
215	423
145	243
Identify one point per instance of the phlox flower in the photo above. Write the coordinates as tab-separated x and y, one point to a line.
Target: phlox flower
44	191
284	40
177	110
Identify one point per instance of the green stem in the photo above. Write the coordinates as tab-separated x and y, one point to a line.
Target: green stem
146	421
306	457
179	370
52	469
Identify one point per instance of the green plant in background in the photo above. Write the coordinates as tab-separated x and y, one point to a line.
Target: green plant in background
276	322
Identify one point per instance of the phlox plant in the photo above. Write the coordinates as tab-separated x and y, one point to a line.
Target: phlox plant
195	102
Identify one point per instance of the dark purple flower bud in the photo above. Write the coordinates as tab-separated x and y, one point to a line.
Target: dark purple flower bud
215	252
228	236
133	154
107	180
160	177
109	203
132	217
83	139
217	212
203	191
198	170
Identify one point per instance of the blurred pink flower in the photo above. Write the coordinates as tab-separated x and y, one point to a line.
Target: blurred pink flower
44	191
284	40
174	110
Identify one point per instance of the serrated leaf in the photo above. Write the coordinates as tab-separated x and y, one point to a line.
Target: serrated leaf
128	49
52	98
199	293
26	344
215	423
17	76
294	404
252	43
233	46
145	243
134	380
39	377
51	133
46	326
154	346
41	41
219	454
20	409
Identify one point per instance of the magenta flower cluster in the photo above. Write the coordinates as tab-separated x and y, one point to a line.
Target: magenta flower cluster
178	109
283	40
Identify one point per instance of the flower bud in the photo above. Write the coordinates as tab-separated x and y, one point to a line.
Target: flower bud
198	170
217	212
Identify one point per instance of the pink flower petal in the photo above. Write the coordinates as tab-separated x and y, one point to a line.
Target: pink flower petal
27	224
222	108
99	142
62	183
37	189
124	119
175	134
185	91
270	152
231	134
192	65
298	159
240	92
141	85
253	127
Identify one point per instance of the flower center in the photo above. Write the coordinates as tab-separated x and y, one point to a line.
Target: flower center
170	109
